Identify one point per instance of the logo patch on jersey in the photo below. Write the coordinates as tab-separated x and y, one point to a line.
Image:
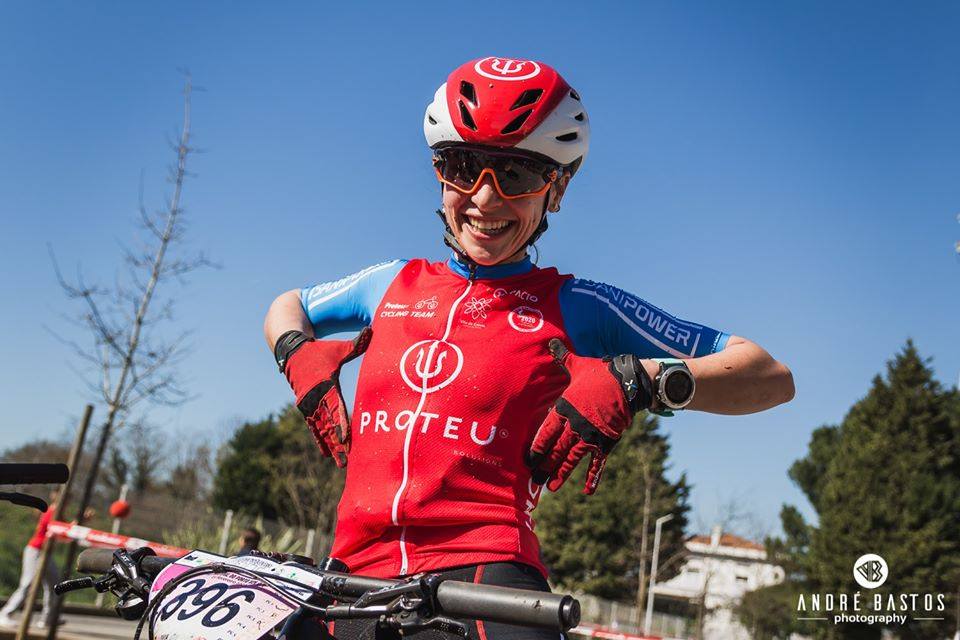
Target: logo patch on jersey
427	303
430	365
506	68
526	319
524	296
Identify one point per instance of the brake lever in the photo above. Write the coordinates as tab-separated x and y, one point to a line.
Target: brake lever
72	585
410	622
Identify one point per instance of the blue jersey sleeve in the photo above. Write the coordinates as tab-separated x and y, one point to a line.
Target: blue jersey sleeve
348	304
602	320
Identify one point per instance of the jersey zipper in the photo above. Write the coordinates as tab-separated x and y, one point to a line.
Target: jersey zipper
404	557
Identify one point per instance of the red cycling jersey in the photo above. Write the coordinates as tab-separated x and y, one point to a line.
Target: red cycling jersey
453	386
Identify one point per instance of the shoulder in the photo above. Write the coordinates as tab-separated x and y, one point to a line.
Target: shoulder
379	273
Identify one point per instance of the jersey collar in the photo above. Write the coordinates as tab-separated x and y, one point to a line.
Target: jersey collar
496	271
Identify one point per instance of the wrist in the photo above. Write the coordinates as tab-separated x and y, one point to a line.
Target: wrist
287	344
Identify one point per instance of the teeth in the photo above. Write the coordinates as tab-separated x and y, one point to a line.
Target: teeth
485	225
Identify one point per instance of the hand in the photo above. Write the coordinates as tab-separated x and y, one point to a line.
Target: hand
313	369
592	413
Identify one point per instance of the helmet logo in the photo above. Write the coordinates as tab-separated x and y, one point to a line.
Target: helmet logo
506	68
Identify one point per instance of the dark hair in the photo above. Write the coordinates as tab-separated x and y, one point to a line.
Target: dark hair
250	537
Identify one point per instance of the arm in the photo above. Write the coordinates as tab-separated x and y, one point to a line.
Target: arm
285	314
742	378
733	375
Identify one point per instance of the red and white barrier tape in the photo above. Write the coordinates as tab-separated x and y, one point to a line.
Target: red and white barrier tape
93	538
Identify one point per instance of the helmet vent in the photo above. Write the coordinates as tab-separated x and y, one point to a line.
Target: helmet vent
579	117
430	119
468	91
568	137
517	122
466	117
574	95
527	97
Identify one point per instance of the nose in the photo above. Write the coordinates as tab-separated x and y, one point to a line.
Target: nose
487	197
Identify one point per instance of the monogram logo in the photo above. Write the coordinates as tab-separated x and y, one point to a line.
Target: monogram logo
870	571
430	365
506	68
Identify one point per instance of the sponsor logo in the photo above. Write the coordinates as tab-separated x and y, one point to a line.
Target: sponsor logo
526	319
397	310
531	499
525	296
477	308
430	365
870	571
428	303
645	318
506	68
450	427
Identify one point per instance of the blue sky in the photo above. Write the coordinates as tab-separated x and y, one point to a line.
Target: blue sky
784	171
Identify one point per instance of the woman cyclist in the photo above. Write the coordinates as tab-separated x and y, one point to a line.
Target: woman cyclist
487	377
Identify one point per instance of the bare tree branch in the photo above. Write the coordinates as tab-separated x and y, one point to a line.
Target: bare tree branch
129	363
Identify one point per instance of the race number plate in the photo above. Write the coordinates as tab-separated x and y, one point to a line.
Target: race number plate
224	605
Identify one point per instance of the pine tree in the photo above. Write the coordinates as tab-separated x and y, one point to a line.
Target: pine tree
885	481
592	543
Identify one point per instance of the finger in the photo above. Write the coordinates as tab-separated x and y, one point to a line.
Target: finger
594	473
558	350
568	464
548	433
316	432
360	343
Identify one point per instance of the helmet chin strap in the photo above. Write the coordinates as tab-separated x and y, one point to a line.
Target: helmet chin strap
451	240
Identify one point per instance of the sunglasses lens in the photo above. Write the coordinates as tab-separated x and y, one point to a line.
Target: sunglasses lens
461	168
516	175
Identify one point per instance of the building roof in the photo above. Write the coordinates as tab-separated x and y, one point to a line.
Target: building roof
728	540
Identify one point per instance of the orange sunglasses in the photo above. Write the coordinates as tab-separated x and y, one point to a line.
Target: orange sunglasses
513	175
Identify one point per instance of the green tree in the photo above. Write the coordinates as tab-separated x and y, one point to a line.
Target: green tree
242	481
273	468
885	481
592	543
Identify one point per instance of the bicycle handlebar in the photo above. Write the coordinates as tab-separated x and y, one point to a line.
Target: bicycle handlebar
40	473
458	599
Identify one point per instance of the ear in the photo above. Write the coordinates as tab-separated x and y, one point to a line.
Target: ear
555	195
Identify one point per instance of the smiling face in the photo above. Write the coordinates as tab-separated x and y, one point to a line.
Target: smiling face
491	229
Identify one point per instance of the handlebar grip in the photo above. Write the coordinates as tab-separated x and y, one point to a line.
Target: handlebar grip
41	473
95	560
509	606
101	560
152	565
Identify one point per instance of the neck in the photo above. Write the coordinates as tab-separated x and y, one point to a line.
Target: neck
469	269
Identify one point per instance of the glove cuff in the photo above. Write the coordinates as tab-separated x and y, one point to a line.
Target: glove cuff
634	381
287	344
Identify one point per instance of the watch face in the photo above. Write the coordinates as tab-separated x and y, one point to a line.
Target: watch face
678	386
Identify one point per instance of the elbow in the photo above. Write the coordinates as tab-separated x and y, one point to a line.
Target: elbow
786	390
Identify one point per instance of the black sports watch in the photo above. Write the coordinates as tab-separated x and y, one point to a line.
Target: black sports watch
674	386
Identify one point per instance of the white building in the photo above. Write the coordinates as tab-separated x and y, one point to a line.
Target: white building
720	568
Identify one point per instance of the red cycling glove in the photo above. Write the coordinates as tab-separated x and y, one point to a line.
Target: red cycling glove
313	369
589	417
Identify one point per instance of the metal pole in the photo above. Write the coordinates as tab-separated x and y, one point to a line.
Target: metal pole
308	549
225	535
648	620
48	542
115	529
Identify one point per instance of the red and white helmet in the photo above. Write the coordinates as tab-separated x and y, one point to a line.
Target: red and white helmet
507	103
